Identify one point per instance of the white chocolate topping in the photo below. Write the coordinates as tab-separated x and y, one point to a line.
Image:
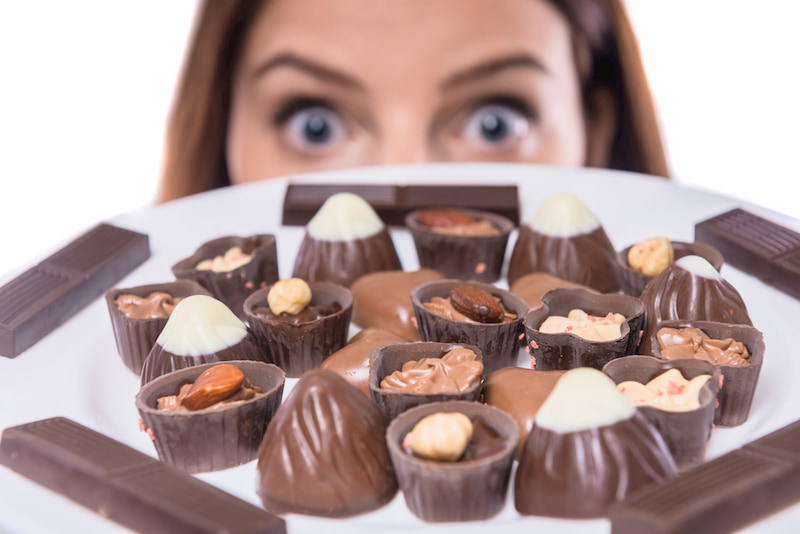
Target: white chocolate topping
590	327
564	215
583	398
699	266
200	325
668	391
344	217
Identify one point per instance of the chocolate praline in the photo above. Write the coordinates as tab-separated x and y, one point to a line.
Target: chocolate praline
297	347
214	438
135	337
233	287
325	452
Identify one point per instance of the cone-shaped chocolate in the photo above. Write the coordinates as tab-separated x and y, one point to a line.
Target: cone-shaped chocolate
566	240
325	451
690	289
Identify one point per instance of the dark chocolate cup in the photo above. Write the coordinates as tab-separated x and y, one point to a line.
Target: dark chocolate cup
498	342
390	358
685	433
564	351
135	337
460	491
161	361
233	287
211	439
466	257
296	348
633	282
739	383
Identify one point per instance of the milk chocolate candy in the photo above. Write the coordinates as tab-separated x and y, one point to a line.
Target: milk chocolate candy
722	495
756	246
123	484
394	202
36	302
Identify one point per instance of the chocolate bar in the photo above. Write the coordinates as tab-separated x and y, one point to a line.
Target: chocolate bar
722	495
393	202
34	303
756	246
123	484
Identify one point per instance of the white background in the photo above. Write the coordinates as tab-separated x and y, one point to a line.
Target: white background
86	85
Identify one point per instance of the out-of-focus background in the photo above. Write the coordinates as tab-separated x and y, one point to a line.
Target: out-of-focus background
86	85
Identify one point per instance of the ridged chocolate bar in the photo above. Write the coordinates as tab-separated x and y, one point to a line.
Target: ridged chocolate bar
722	495
123	484
36	302
393	202
756	246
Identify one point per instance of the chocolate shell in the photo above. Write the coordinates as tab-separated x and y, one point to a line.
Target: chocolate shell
325	453
351	362
383	300
298	347
200	330
499	342
739	383
690	289
233	287
633	282
390	358
565	350
519	392
532	286
565	239
135	337
685	433
467	490
214	438
467	257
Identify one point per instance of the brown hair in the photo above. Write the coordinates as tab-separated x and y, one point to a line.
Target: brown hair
194	157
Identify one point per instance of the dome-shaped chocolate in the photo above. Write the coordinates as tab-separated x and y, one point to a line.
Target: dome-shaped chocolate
325	451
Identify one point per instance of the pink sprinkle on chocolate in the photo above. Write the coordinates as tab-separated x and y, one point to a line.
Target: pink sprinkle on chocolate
480	268
415	323
141	424
534	344
407	441
248	284
522	335
533	362
151	434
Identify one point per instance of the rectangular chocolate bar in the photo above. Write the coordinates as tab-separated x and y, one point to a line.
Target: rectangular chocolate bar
123	484
33	304
756	246
722	495
393	202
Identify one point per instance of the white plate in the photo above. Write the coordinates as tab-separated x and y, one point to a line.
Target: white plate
76	372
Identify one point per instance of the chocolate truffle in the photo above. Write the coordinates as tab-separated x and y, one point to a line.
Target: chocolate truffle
344	240
530	287
565	239
136	331
383	300
460	243
297	342
212	435
325	452
200	330
690	289
588	448
351	362
472	488
232	279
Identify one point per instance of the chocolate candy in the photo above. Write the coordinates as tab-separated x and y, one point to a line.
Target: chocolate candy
123	484
722	495
756	246
36	302
394	202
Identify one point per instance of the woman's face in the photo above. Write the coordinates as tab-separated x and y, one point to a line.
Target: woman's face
329	84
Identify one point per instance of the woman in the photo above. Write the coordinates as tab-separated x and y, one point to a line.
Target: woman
275	87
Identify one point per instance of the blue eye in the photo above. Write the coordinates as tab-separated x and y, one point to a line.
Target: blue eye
314	128
495	124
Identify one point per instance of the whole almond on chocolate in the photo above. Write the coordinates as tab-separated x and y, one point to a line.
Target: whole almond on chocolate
439	218
477	304
213	385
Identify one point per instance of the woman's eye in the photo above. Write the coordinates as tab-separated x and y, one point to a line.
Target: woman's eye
496	124
313	128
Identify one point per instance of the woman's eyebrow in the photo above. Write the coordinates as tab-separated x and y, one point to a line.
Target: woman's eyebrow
288	59
494	66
